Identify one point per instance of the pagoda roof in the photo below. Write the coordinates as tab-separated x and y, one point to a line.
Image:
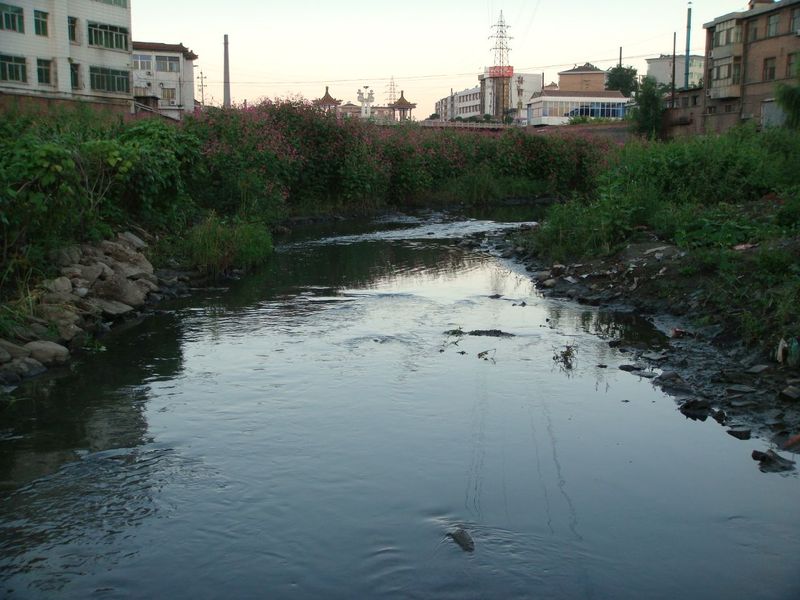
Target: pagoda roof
327	99
402	102
161	47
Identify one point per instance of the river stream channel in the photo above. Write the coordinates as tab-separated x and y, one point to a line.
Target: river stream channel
317	429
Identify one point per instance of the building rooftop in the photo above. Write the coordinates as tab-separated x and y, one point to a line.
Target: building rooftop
327	99
160	47
607	94
758	9
587	68
402	102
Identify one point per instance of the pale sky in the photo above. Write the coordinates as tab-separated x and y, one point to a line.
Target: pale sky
281	49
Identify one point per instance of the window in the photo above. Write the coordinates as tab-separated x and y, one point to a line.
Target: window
108	36
791	65
11	18
72	29
75	75
728	108
695	100
122	3
795	27
141	91
13	68
44	71
752	31
40	22
168	64
142	62
109	80
737	73
772	25
769	69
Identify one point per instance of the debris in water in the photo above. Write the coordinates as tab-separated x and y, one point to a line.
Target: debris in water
489	333
463	539
566	357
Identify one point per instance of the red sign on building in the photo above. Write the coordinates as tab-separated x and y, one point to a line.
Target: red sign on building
500	71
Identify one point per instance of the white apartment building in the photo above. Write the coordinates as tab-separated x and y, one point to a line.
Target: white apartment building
163	78
660	69
463	105
66	50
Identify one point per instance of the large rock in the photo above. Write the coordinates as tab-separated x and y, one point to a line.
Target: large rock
14	350
48	353
132	240
67	256
92	272
60	285
120	289
110	308
4	356
25	367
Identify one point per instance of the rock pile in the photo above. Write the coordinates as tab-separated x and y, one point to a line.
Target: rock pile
99	284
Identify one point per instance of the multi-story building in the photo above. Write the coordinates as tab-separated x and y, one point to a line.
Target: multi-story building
483	99
748	54
586	78
163	78
660	69
460	105
65	50
581	92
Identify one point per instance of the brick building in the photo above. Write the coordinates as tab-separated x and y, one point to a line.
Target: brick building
748	54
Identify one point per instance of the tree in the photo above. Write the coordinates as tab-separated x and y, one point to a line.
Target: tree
649	109
434	117
787	96
622	79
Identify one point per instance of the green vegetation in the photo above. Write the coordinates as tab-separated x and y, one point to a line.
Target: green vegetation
788	97
220	180
649	109
732	202
623	79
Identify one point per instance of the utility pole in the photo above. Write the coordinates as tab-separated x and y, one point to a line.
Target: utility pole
202	79
391	91
620	57
226	93
674	55
688	47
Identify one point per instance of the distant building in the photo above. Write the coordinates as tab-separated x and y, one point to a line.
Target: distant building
581	92
327	103
586	78
163	78
557	107
483	100
748	54
402	108
660	69
53	51
460	105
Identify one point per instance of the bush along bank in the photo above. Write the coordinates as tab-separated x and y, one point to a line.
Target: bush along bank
210	189
707	227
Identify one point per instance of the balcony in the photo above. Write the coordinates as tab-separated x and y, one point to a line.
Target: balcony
726	51
725	91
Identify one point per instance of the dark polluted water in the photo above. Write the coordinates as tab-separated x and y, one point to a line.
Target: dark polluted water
312	432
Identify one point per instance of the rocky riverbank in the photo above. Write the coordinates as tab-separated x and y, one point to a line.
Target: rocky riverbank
99	285
700	360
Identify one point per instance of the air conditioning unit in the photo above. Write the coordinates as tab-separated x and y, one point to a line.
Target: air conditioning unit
172	102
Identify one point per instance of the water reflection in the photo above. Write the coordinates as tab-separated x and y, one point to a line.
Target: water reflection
311	431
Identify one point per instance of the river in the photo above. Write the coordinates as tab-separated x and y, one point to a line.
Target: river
313	431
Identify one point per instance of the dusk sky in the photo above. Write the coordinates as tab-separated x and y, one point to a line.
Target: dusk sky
297	48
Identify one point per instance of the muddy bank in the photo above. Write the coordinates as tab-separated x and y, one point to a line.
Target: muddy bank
706	367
